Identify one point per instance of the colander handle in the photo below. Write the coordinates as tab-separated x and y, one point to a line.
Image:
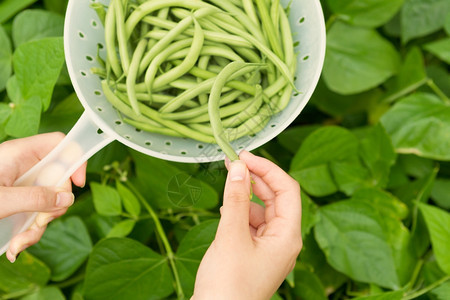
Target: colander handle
84	140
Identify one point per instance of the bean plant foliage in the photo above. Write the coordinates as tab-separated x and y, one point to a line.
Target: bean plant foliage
371	151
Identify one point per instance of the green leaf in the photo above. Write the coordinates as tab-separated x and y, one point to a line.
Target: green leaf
9	8
387	204
395	295
106	200
442	291
365	243
309	214
411	76
447	24
440	192
341	106
292	138
5	113
308	285
46	293
313	258
422	17
122	229
5	58
172	188
37	66
440	48
191	250
415	166
419	124
377	153
121	268
368	13
25	117
34	24
62	116
130	202
64	247
25	274
357	59
310	165
438	223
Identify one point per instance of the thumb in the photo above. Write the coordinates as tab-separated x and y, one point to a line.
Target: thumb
32	199
234	219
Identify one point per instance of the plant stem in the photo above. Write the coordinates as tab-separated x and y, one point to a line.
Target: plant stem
438	91
415	274
330	21
69	282
426	289
163	236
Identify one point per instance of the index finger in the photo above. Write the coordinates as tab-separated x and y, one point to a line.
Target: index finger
286	189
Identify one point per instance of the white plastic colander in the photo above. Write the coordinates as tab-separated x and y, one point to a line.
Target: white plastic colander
100	123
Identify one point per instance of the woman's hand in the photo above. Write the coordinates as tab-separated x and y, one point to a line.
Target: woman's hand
17	157
255	248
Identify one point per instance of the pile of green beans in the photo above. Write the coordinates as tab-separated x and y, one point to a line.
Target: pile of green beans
212	70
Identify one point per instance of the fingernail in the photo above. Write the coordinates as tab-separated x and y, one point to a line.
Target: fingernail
43	219
64	199
11	257
237	170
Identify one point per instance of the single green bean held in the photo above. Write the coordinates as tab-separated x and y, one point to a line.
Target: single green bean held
210	70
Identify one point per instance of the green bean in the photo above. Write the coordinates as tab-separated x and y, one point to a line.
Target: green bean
267	24
251	126
219	37
100	10
183	68
121	36
132	74
247	112
110	41
250	11
201	88
194	112
210	51
173	33
152	128
261	47
243	19
226	111
213	107
213	71
202	64
148	7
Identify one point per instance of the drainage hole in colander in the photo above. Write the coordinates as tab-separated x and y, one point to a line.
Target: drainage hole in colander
83	73
99	131
100	46
99	109
94	23
118	122
137	130
241	147
219	150
127	137
302	19
273	125
97	93
183	152
305	57
80	34
89	58
148	144
168	143
252	135
296	43
296	94
200	146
